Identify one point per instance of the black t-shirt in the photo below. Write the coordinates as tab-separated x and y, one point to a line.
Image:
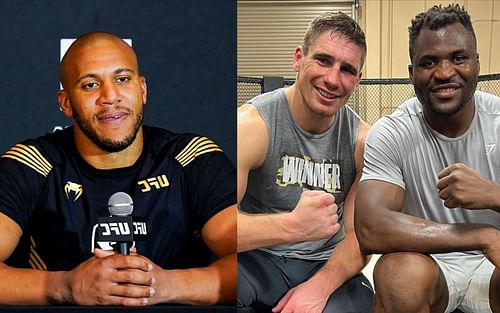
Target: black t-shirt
179	182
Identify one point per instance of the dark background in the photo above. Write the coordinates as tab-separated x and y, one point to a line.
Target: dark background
186	51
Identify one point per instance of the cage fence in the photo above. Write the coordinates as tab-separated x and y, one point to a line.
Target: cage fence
373	98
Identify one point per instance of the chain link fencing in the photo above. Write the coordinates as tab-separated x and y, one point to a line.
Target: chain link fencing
373	99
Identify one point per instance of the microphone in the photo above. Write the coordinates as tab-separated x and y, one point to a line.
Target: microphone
120	206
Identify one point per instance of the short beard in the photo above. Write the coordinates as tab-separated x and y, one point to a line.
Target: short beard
109	145
455	110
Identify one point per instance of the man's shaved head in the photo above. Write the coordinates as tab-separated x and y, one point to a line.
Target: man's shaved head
92	40
102	91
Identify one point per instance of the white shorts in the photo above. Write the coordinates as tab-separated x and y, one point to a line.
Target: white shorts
468	277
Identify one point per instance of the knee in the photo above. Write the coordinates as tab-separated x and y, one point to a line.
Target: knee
404	281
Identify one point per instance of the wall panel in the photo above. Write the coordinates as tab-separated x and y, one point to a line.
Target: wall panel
269	32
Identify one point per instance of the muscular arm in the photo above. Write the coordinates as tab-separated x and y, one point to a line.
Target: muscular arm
209	285
380	224
23	286
254	231
382	228
18	285
313	218
264	230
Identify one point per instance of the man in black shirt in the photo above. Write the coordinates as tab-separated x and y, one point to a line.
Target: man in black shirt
54	188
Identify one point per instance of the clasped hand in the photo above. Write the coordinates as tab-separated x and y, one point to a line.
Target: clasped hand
113	279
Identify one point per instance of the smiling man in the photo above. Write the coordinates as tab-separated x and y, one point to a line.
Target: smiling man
429	197
54	188
110	116
300	154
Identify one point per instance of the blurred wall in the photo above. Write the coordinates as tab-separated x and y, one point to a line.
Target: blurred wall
386	25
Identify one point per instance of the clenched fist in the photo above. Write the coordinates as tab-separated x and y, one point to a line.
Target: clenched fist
315	216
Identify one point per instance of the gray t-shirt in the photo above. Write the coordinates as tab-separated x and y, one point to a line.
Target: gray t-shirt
403	149
296	161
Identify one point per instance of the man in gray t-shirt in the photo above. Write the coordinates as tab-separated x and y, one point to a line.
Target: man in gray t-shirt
300	154
429	197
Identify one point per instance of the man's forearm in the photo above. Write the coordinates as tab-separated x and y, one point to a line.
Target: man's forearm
345	262
31	287
263	230
396	231
208	285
